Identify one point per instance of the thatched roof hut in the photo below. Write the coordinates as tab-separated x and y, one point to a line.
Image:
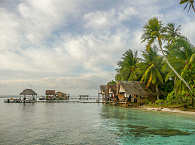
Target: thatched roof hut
28	92
102	89
50	92
112	88
61	95
134	88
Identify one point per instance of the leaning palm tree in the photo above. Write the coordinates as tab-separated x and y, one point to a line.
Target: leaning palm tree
180	54
188	4
154	31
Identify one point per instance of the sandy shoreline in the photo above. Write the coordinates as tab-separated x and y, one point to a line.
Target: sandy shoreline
163	109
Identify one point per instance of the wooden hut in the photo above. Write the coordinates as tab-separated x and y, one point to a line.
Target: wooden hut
102	92
28	94
50	94
61	96
134	92
108	92
111	91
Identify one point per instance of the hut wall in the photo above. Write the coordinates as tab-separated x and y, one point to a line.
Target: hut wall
110	91
121	89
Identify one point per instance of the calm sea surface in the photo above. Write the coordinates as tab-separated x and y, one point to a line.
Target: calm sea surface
69	123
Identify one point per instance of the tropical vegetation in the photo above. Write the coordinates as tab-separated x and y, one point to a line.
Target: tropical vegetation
166	66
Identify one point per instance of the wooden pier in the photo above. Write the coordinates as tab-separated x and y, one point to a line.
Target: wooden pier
19	101
53	101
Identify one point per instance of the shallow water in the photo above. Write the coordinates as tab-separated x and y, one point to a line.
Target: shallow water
69	123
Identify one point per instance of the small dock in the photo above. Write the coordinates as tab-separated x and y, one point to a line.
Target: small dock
19	101
68	101
52	101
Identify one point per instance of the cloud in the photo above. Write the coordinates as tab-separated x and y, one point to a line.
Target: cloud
189	30
73	46
108	19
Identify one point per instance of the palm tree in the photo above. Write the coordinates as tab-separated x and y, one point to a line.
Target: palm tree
154	31
152	76
188	3
181	54
172	32
189	70
127	65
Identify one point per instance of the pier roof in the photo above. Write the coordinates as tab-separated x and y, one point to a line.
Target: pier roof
28	92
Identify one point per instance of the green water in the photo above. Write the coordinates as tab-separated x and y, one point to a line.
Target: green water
69	123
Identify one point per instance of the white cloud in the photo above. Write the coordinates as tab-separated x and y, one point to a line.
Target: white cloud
127	13
99	19
73	45
107	19
189	30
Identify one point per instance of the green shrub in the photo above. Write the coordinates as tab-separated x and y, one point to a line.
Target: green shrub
160	102
171	98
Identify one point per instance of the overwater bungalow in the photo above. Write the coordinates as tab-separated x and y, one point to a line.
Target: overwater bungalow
28	94
134	92
50	94
112	92
61	96
108	92
102	90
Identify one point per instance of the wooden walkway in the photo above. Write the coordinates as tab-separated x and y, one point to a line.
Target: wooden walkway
19	101
67	101
51	101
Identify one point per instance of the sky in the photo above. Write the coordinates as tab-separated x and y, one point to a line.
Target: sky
73	46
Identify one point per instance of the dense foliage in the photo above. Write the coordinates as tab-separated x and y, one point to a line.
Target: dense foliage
166	66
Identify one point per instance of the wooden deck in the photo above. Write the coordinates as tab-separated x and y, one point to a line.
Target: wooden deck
51	101
19	101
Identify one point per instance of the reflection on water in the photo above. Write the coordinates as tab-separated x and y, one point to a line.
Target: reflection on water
69	123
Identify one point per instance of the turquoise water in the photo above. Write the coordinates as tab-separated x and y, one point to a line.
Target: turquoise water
69	123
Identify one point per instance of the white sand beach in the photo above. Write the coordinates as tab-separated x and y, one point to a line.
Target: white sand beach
172	110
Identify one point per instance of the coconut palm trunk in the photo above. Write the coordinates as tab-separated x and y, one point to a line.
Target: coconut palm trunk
171	67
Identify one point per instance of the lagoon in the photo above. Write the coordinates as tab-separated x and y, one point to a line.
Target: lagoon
76	123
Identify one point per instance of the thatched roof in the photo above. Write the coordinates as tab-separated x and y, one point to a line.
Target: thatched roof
28	92
135	88
60	93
